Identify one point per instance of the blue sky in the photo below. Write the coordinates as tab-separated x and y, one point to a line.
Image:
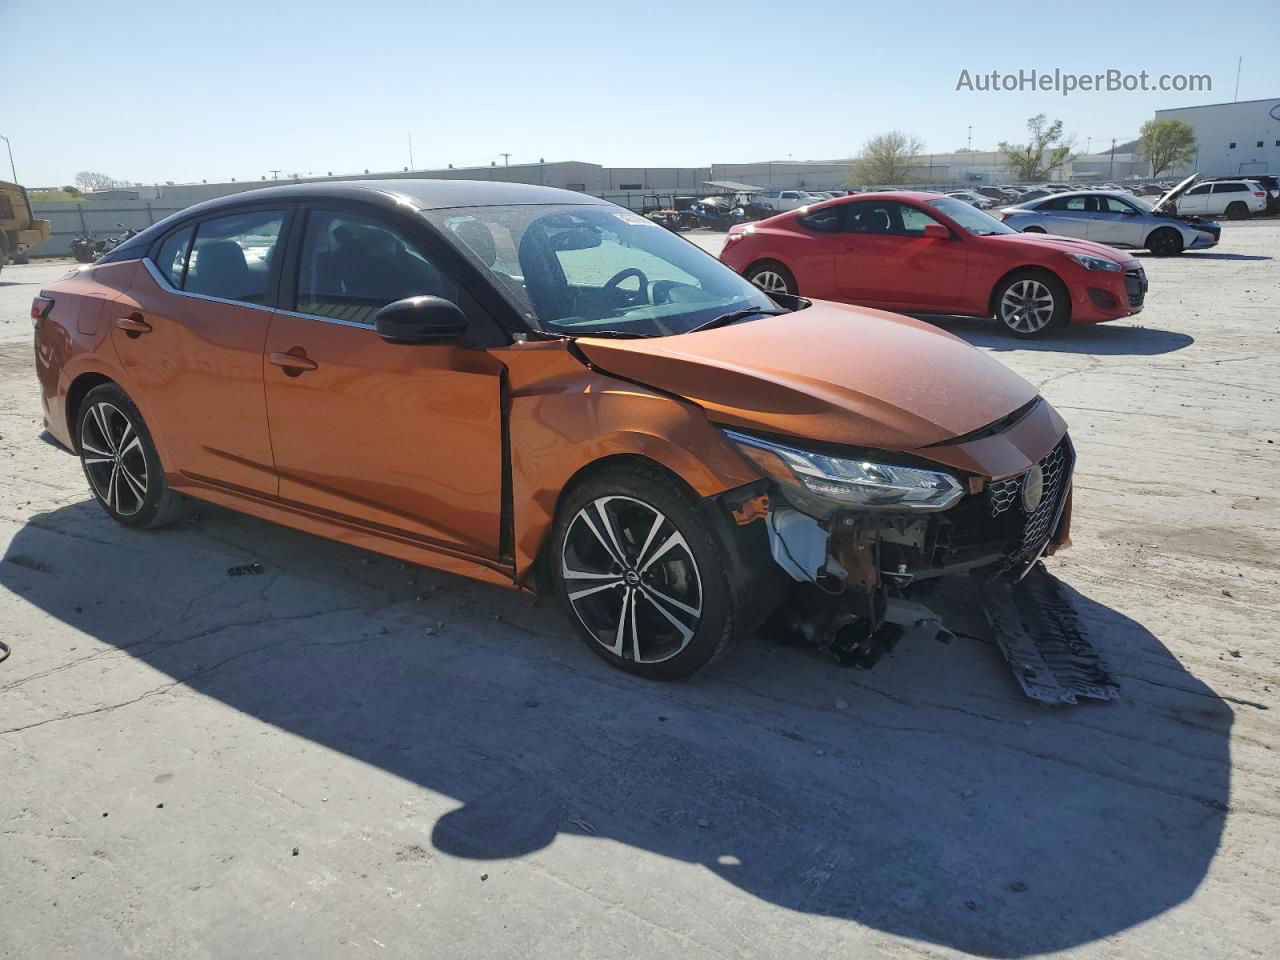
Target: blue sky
188	91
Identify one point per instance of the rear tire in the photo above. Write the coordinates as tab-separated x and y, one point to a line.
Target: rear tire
1237	210
1031	303
1165	242
772	277
640	574
120	462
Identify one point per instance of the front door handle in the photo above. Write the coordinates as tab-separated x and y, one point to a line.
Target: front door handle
292	363
133	325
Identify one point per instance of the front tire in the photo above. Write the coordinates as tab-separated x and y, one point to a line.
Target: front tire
1034	230
1237	210
120	462
640	574
1165	242
1031	304
772	277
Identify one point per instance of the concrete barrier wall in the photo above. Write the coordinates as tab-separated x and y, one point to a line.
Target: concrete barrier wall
70	220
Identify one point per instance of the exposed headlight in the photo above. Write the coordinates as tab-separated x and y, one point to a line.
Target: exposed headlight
855	483
1095	263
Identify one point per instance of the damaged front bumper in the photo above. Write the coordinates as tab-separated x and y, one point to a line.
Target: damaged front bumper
858	575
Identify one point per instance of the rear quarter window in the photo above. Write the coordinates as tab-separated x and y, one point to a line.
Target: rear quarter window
821	221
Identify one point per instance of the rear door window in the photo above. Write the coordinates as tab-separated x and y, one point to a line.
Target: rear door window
231	257
1230	188
352	266
172	256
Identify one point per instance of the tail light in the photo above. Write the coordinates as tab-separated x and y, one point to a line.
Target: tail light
1260	195
40	307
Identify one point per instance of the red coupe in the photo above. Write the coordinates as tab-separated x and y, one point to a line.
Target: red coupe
925	253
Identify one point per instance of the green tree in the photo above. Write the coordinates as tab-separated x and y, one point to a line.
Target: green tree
1047	150
1166	144
886	158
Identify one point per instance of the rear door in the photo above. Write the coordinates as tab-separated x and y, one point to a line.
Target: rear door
407	438
1116	222
1069	216
189	334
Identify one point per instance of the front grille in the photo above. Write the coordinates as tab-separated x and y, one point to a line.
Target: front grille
995	522
1135	285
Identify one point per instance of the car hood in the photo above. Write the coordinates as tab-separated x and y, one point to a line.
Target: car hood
1050	241
831	373
1167	200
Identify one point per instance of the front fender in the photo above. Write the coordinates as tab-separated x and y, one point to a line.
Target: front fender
563	417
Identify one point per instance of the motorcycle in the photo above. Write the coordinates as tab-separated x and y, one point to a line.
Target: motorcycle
86	249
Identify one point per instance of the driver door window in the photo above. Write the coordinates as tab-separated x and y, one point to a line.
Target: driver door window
352	266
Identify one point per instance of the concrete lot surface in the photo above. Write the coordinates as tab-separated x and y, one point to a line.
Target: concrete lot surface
343	757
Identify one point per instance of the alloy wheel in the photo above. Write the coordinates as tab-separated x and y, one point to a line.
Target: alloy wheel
113	458
770	281
1027	306
631	579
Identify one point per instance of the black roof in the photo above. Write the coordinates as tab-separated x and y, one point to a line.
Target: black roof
421	194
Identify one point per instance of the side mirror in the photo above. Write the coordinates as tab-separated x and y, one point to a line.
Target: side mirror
420	320
936	231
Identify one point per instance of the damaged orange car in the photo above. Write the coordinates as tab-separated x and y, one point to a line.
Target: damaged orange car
544	390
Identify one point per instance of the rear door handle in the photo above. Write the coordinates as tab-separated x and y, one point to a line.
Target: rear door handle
292	363
134	326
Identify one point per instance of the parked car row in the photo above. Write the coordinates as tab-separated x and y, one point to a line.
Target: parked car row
540	389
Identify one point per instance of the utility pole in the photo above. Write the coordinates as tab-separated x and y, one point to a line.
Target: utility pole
506	159
970	145
12	170
275	174
1111	171
410	151
1239	62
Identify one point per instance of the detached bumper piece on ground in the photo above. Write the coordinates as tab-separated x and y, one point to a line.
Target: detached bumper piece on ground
1038	630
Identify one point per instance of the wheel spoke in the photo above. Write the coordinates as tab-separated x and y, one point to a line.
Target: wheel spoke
137	487
653	532
586	518
685	632
584	575
134	444
675	540
588	591
113	490
94	450
99	459
618	552
620	636
652	592
100	421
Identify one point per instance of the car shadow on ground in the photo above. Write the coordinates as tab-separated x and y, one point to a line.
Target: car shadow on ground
926	798
1100	339
1205	255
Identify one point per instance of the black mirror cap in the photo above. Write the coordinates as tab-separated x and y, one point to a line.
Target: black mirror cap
420	320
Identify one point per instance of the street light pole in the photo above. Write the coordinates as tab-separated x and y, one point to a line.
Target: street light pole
12	169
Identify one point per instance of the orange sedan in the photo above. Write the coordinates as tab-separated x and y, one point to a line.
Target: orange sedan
543	390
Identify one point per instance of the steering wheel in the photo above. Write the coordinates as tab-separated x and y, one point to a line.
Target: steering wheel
641	295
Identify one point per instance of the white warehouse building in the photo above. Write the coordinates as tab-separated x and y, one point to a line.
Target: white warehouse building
1233	139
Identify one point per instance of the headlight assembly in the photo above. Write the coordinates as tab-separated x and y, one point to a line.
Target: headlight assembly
844	482
1093	264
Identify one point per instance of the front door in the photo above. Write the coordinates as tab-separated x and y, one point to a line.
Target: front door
1195	200
402	437
884	259
189	334
1116	223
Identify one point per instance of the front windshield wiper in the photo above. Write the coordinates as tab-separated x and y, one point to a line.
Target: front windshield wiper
619	334
727	318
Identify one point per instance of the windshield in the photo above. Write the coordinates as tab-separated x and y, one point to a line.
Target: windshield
1140	204
971	218
595	269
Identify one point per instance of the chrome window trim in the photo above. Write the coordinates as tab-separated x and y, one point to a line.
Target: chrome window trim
168	287
165	285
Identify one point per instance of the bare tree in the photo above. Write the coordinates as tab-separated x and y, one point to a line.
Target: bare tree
1166	144
1047	151
886	158
88	180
